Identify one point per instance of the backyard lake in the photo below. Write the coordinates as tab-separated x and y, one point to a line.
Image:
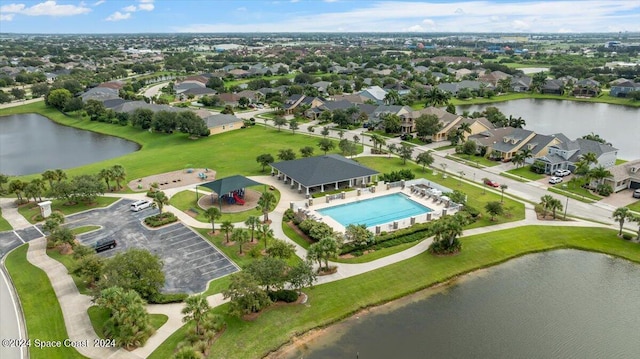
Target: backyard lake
617	124
560	304
31	143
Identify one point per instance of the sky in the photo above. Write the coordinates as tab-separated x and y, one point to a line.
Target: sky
179	16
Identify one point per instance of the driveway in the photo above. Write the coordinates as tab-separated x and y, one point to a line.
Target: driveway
190	261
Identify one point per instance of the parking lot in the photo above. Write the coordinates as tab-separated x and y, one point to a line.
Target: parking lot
190	261
12	239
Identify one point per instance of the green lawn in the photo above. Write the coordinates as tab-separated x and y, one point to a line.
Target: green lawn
575	188
294	236
40	306
228	153
186	200
517	96
442	148
69	262
620	161
84	229
99	317
477	197
525	172
4	225
217	286
473	161
31	210
635	206
380	253
329	303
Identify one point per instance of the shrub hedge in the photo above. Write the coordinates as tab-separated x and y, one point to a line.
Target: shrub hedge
156	221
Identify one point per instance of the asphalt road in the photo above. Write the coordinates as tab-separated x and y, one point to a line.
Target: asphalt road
9	328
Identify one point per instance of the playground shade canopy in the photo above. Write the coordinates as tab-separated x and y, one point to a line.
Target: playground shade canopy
228	184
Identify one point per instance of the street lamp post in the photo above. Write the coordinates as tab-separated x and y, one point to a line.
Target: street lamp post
566	205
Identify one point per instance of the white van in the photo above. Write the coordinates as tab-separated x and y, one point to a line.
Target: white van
140	205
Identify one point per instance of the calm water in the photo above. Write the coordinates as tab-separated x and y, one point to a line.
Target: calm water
619	125
31	143
561	304
374	211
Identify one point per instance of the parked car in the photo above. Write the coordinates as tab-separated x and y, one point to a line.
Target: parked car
554	180
104	244
491	183
562	173
636	193
406	137
140	205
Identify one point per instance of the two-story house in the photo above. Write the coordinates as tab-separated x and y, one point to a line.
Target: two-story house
566	153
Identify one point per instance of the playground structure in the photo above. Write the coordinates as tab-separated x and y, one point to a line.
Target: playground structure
230	192
234	197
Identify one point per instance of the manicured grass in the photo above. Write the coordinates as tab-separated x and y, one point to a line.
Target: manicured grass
294	236
634	206
525	172
517	96
620	161
334	301
228	153
575	188
84	229
69	262
4	225
577	197
40	305
186	200
99	317
335	191
473	161
513	177
477	196
380	253
31	209
442	148
218	285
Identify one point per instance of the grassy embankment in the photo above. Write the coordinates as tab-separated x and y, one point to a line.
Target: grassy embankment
334	301
99	317
31	210
228	154
40	306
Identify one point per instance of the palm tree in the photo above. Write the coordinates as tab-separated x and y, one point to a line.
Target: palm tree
447	228
635	218
16	186
503	187
518	122
49	176
213	214
465	127
599	173
518	159
526	153
589	158
266	203
106	174
240	236
621	215
265	232
60	175
251	223
555	204
545	202
118	174
436	97
504	84
160	199
226	227
196	308
392	97
378	141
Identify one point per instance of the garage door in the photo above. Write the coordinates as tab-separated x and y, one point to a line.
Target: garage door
634	185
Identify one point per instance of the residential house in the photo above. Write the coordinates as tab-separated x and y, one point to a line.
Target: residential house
460	73
100	93
447	120
401	88
374	93
493	77
553	86
295	101
623	88
375	118
187	85
322	86
229	99
586	88
223	123
253	96
239	73
455	60
520	83
196	93
477	125
454	87
353	98
624	176
566	153
502	143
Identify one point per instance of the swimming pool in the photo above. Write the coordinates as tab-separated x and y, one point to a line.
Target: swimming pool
374	211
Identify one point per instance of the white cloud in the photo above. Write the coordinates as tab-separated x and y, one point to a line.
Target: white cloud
117	16
415	28
242	8
99	2
330	0
12	8
130	8
476	16
294	1
51	8
430	23
6	17
146	7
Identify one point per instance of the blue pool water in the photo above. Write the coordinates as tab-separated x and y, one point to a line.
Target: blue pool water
374	211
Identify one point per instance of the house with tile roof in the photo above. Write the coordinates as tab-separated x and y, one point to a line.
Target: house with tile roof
624	176
566	153
504	142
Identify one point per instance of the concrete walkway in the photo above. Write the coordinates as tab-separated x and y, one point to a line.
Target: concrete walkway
11	214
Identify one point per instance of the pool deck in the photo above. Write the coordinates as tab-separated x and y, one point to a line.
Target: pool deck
352	197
